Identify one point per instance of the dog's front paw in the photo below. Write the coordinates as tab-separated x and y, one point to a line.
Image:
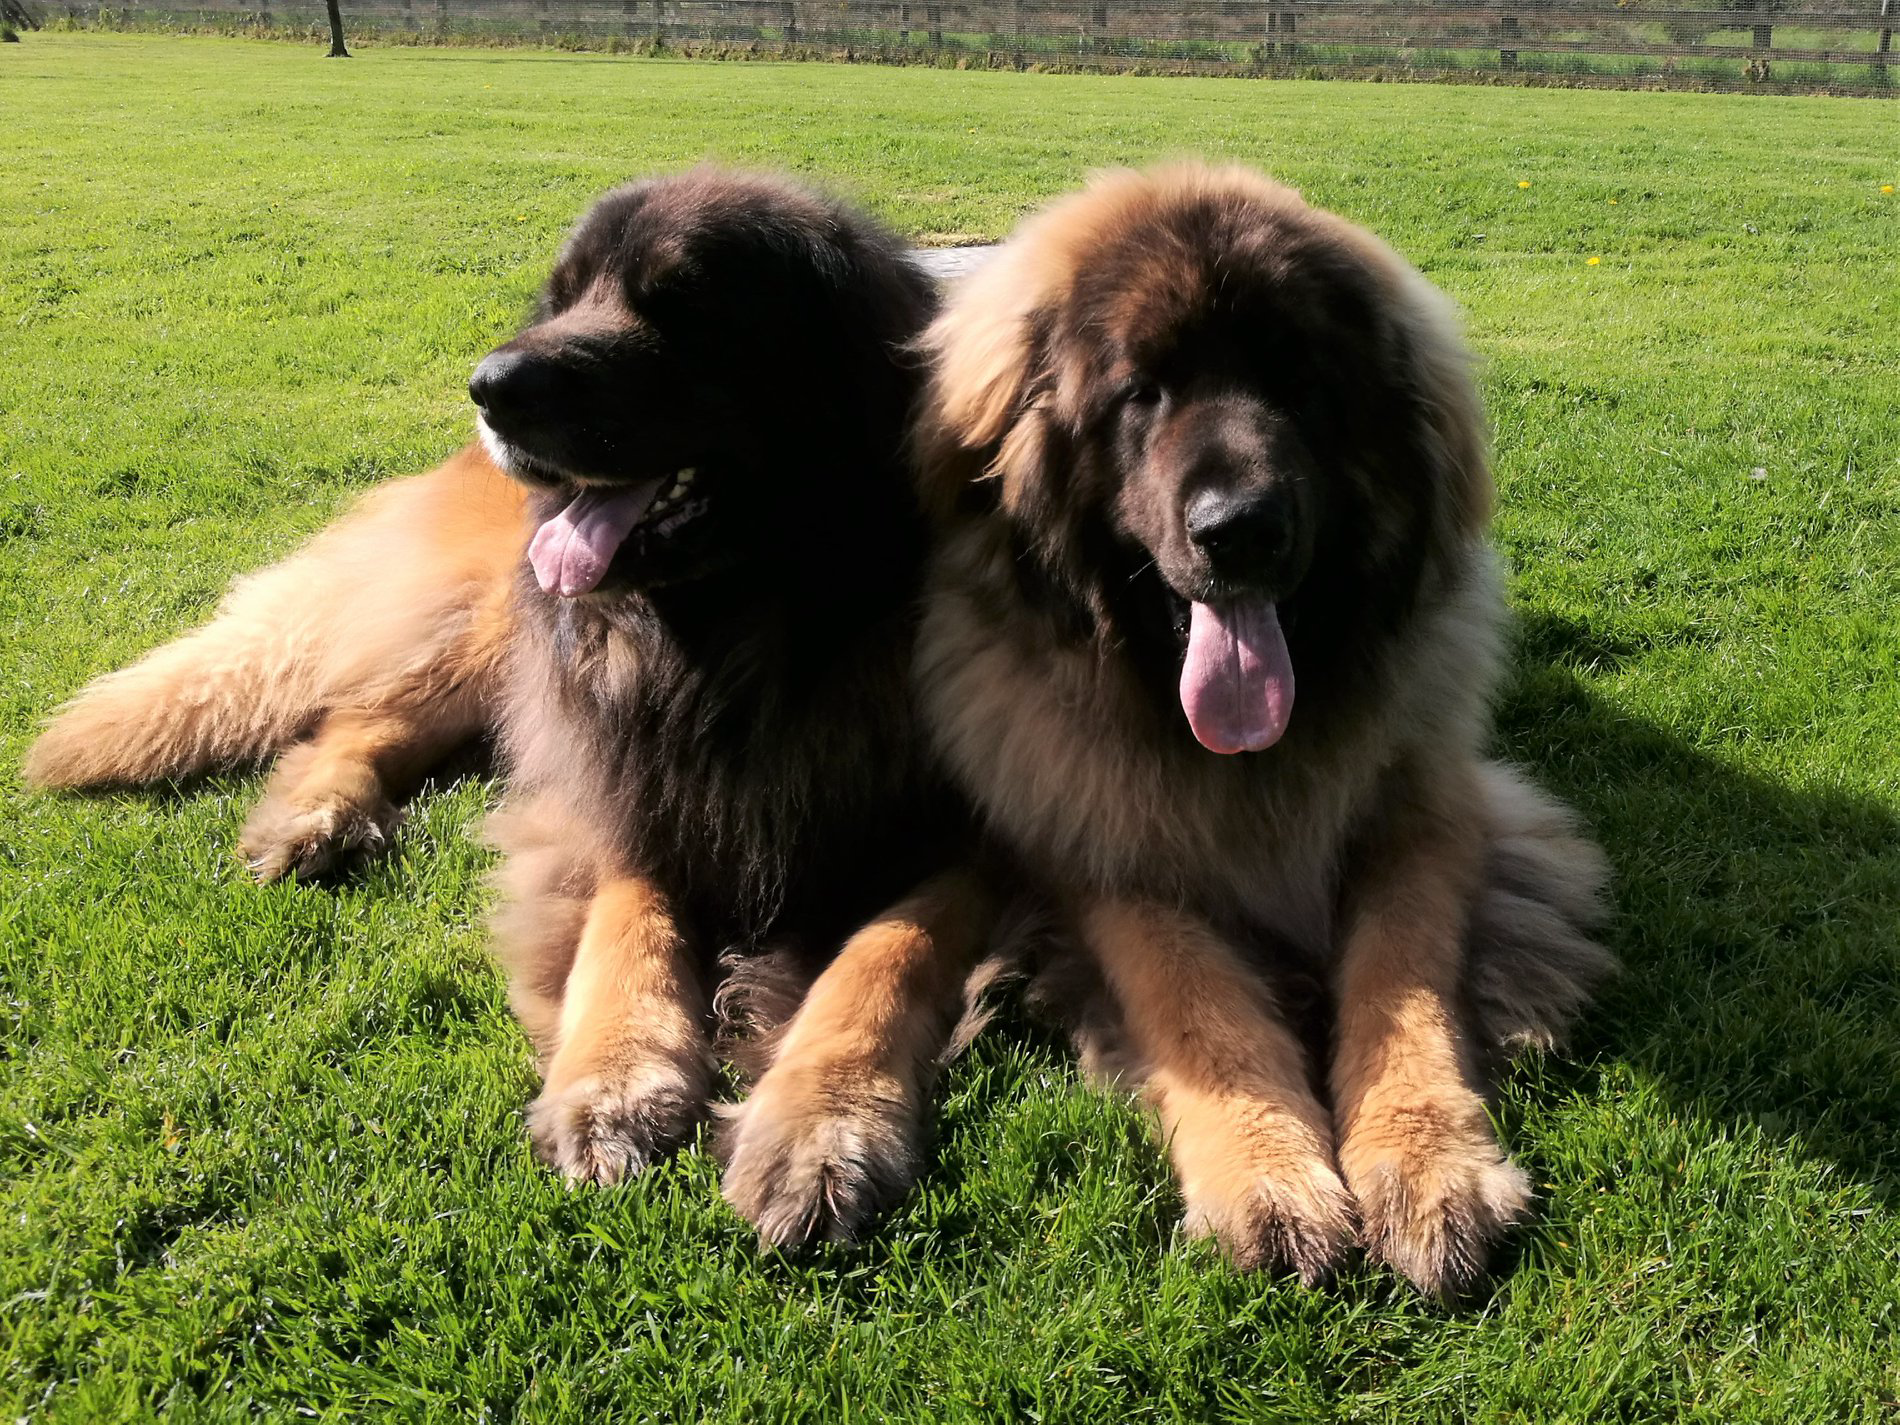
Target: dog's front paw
605	1127
1271	1203
310	837
813	1159
1435	1191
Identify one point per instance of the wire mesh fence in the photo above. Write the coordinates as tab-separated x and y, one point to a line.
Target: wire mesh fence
1773	45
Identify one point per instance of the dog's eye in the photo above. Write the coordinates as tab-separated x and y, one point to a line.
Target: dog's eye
1142	393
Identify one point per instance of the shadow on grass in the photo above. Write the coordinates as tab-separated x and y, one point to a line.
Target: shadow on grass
1755	921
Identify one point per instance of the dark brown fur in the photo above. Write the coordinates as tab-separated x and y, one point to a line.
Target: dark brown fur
714	752
1192	329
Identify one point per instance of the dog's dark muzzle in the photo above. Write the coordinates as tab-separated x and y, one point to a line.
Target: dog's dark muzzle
517	388
1253	540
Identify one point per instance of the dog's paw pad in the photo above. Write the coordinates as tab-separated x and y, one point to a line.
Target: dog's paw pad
604	1129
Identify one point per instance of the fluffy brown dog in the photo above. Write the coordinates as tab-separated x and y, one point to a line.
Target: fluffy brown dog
1193	439
699	674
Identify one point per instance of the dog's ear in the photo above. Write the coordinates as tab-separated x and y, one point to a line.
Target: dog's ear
980	423
1439	371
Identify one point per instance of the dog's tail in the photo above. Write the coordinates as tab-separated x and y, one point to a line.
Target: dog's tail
1533	960
372	601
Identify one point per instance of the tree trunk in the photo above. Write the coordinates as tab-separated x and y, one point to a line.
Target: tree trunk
338	50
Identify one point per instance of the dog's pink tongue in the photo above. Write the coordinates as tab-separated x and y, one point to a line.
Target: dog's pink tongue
571	552
1237	683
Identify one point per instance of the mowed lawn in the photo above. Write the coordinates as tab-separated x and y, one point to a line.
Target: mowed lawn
260	1148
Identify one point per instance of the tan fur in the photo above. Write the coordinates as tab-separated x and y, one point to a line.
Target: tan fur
379	641
1533	961
601	976
1382	854
545	879
983	348
1252	1143
830	1132
1416	1145
631	1064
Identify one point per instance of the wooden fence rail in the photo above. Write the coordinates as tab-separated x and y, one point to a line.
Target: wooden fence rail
1847	43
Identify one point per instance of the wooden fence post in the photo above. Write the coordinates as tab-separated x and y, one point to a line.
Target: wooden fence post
1885	45
933	21
1016	32
789	24
903	25
1757	68
442	16
1507	35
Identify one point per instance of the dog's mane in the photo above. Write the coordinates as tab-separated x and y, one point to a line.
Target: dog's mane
1017	359
745	738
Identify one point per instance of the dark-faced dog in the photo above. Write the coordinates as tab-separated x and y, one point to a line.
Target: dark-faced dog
708	720
679	579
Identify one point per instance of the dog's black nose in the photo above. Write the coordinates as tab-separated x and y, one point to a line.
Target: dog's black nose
512	383
1244	536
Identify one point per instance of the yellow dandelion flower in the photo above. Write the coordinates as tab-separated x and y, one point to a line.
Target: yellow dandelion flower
1523	183
1614	202
1593	262
1886	188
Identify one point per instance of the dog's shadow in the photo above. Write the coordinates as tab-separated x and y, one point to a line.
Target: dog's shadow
1755	921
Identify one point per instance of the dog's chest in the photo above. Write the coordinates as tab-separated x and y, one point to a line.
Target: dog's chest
1068	769
765	787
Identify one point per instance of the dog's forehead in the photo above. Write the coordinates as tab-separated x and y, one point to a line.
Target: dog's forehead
648	235
1188	273
624	239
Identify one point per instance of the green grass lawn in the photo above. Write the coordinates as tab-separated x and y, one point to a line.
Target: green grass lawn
260	1149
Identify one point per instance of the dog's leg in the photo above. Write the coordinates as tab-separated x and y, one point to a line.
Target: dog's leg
1251	1141
408	583
830	1134
1433	1187
335	796
631	1069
